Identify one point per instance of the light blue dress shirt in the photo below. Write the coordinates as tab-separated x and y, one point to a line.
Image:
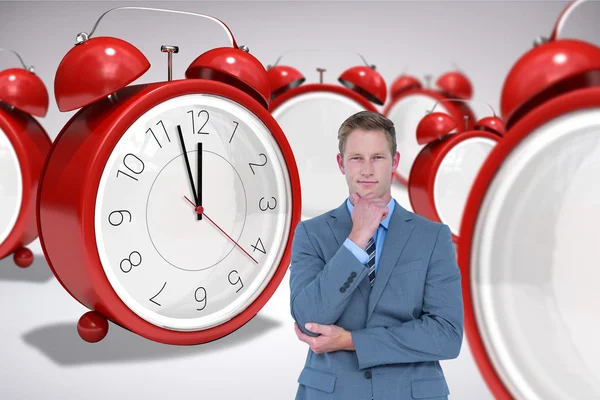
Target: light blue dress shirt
379	237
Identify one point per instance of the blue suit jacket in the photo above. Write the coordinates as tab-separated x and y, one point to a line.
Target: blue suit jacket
401	328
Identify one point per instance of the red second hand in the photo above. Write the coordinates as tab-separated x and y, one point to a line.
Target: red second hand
200	210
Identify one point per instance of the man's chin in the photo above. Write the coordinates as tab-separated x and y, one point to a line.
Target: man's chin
367	192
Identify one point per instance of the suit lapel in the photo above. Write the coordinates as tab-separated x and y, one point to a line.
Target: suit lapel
395	240
341	226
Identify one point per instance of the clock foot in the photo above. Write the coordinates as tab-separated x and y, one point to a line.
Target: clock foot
23	257
92	327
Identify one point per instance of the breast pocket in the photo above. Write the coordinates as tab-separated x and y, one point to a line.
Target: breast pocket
416	265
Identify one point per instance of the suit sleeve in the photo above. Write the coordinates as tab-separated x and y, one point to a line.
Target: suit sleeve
321	291
438	334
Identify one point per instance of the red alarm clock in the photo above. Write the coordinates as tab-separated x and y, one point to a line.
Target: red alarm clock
528	248
168	207
409	104
24	145
443	171
311	115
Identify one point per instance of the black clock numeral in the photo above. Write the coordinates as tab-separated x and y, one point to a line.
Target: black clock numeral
239	280
135	168
193	126
205	122
234	129
262	246
201	114
258	165
150	130
164	129
203	299
121	214
128	263
268	207
153	297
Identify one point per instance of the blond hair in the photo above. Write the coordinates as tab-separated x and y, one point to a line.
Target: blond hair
367	121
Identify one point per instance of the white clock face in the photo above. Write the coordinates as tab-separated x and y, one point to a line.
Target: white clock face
11	187
455	176
534	262
311	122
406	114
170	267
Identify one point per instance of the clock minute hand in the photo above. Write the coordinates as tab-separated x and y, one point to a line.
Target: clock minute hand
199	179
187	163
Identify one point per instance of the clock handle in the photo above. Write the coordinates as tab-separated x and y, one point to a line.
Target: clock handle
30	68
560	22
83	36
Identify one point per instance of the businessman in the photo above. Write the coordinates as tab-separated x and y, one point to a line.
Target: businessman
375	289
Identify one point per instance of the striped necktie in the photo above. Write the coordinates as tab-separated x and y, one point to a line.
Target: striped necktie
371	262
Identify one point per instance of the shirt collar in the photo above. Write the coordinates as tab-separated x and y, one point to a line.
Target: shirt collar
386	222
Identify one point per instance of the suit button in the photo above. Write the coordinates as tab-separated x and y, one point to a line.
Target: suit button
342	289
353	274
351	279
346	285
368	375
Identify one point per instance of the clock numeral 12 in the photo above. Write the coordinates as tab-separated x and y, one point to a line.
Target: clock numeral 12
207	116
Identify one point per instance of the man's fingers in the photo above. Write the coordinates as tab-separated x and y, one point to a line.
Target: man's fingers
376	201
311	326
303	337
316	328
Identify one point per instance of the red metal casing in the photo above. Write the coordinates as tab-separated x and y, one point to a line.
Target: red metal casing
68	191
32	145
554	108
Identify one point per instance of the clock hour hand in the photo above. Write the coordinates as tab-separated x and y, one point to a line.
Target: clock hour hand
187	164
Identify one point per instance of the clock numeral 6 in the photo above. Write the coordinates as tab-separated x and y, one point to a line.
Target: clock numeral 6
120	218
133	166
203	298
258	165
128	263
268	206
239	280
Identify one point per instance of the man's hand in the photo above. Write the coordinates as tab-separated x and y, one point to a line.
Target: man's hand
368	213
333	338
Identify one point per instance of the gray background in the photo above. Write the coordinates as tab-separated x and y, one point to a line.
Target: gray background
41	355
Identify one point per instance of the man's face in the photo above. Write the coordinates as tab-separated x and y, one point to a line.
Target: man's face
368	164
